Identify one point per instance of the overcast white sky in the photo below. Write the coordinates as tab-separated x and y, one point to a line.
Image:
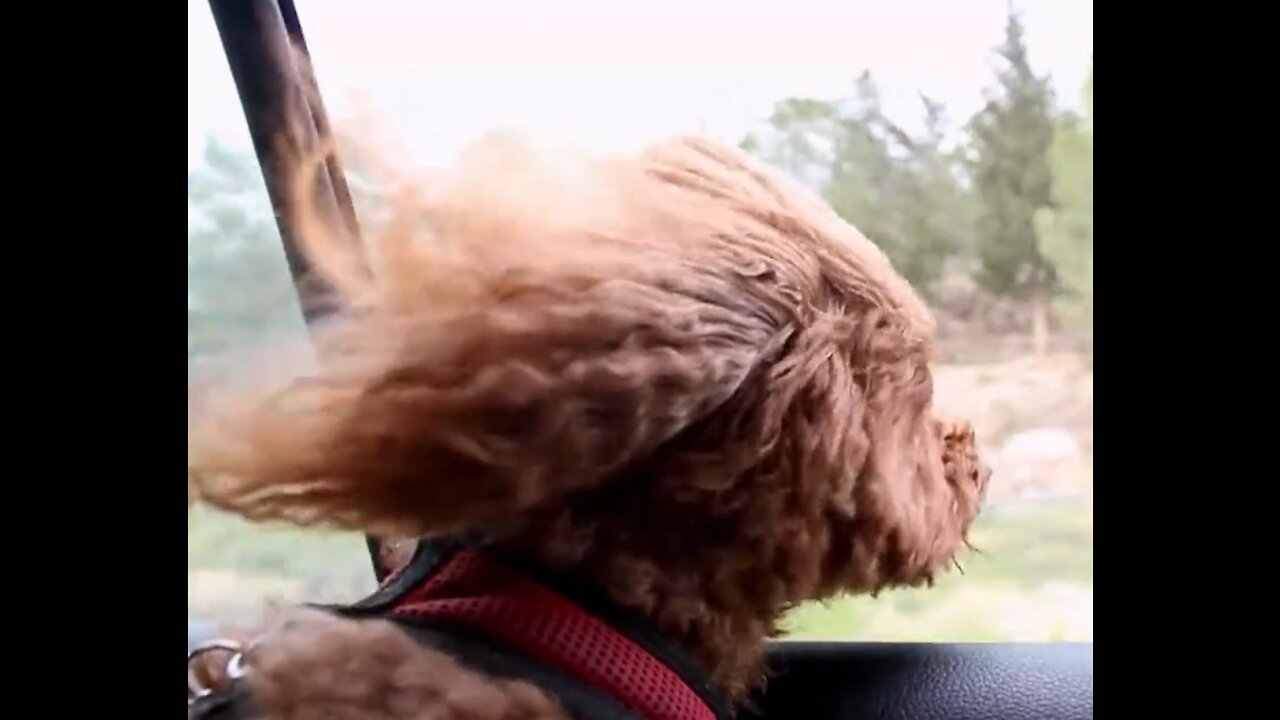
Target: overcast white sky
615	74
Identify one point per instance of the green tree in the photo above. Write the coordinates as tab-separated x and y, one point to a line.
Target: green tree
902	191
929	208
238	284
1065	230
863	178
1010	140
800	139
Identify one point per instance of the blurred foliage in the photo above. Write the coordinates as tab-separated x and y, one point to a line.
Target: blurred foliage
238	285
904	191
1009	197
1009	164
1065	228
1005	196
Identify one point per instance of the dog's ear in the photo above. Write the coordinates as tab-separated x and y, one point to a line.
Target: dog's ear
421	422
524	343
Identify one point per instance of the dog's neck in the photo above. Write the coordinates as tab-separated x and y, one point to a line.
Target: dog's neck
713	617
714	579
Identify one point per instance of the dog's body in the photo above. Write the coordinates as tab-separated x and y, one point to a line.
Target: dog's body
678	379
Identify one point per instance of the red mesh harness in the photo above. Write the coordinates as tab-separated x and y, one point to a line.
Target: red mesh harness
470	592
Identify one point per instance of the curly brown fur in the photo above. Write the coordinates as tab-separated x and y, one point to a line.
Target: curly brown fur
308	664
677	377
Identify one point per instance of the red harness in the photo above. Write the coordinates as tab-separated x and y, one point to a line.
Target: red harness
471	593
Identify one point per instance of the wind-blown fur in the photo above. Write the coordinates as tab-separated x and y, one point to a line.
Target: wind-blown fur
677	377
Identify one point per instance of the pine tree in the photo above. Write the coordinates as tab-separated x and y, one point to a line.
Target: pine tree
1066	229
1010	169
931	207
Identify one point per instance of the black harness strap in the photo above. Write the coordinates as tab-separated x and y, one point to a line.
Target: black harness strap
579	700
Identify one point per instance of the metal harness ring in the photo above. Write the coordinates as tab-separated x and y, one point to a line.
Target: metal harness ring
235	665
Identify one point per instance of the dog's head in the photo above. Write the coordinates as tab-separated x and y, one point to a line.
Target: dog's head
678	365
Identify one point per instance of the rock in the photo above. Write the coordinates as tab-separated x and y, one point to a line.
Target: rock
1043	462
1041	446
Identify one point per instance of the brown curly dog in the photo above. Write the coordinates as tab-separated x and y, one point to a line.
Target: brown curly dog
677	378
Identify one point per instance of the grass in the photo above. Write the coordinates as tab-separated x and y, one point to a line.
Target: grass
1033	579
